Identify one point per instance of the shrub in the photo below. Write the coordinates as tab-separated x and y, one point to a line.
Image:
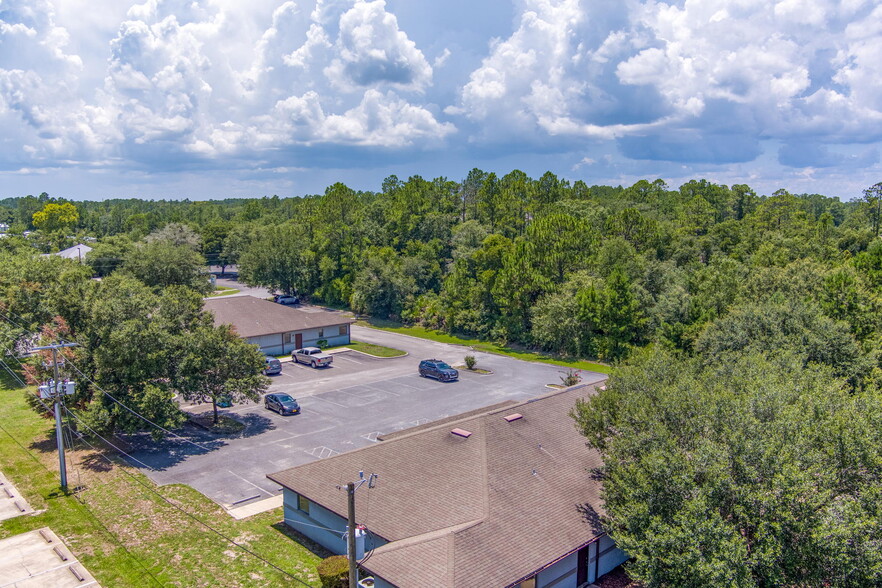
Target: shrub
470	361
334	571
321	343
571	377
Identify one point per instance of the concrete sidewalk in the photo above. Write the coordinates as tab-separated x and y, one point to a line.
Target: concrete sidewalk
243	512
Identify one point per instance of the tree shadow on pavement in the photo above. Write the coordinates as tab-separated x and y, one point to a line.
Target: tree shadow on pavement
190	440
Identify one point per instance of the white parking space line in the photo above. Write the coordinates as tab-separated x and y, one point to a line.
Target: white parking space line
251	483
317	431
321	452
344	358
379	389
319	397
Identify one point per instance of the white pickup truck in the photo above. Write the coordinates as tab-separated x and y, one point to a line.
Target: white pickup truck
311	355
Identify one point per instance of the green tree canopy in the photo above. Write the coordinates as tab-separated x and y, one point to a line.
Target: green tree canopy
745	472
218	364
162	263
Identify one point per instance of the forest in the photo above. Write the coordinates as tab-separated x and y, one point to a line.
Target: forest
583	271
741	428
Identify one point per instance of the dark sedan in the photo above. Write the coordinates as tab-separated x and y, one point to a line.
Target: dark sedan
281	403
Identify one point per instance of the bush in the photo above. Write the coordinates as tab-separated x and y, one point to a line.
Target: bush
571	377
470	361
334	571
321	343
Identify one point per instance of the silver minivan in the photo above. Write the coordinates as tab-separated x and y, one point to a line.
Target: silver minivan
271	366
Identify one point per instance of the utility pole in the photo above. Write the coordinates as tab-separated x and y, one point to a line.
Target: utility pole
57	390
350	535
351	487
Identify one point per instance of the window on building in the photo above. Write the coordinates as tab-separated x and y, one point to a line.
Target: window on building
321	333
286	338
531	583
344	329
303	503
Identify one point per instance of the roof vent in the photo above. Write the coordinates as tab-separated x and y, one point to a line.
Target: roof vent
514	417
462	433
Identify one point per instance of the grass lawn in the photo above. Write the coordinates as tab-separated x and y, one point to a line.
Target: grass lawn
123	531
375	350
222	291
511	351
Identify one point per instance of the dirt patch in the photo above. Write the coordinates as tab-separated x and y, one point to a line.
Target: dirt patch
618	578
226	425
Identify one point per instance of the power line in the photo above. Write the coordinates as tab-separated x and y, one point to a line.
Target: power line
137	414
34	457
195	518
136	479
140	482
94	432
134	412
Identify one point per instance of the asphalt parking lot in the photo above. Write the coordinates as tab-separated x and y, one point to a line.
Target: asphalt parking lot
344	406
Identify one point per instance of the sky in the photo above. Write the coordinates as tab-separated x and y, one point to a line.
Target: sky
206	99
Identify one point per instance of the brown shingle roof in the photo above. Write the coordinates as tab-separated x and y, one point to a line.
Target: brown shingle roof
253	317
482	511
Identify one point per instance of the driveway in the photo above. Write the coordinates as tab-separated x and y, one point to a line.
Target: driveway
243	290
344	406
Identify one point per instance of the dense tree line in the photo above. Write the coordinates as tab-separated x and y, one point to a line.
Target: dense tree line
585	271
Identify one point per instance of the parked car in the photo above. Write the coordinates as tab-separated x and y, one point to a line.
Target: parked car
435	368
286	299
313	356
271	366
281	403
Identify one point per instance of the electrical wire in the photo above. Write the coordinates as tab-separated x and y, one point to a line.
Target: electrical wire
335	531
134	412
197	519
100	454
137	414
30	454
136	479
116	539
95	433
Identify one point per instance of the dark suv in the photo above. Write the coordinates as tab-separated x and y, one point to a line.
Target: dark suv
435	368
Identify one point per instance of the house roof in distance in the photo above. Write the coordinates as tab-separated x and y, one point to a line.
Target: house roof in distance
77	252
252	317
483	510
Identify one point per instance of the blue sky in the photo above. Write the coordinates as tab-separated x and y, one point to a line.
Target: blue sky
225	98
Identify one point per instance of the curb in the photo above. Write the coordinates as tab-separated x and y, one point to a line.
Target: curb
465	370
378	356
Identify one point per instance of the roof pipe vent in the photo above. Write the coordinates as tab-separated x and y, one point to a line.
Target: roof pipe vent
462	433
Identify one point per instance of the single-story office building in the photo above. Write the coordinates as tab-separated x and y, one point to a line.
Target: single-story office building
276	328
503	498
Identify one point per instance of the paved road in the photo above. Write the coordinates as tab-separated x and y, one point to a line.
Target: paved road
243	290
344	407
